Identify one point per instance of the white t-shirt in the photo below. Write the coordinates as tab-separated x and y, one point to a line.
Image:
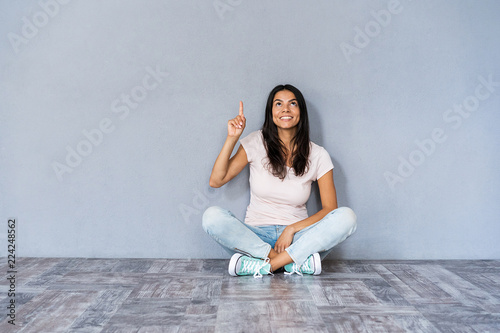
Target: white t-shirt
274	201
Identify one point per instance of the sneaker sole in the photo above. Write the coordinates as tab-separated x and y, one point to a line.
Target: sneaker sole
317	264
232	264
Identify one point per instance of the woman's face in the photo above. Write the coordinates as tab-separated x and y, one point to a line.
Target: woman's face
286	112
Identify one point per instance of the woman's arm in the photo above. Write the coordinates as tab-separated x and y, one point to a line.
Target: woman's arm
328	202
227	167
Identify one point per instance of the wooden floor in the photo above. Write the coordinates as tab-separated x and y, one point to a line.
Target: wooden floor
160	295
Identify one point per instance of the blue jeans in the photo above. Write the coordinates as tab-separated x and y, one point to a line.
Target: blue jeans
238	237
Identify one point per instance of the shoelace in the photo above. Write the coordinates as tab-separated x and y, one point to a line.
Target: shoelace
304	268
294	270
255	266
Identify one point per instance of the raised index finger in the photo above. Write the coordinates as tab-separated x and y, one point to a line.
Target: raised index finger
241	109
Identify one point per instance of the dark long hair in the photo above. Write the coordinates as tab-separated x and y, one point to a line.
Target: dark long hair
276	150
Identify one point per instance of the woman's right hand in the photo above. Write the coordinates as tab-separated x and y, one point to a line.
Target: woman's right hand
236	125
227	167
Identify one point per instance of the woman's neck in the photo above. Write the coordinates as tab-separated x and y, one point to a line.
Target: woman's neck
286	136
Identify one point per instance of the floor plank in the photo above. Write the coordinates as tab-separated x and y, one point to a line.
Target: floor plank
166	295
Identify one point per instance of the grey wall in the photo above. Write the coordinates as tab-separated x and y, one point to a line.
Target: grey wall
112	114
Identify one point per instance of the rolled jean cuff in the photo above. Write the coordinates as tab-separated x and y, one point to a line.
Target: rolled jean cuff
266	253
293	257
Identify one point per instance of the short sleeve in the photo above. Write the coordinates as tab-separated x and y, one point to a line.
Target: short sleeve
324	163
252	143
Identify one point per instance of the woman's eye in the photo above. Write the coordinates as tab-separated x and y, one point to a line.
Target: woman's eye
294	103
278	104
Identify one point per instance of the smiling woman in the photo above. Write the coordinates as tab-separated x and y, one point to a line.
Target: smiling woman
286	112
286	133
277	231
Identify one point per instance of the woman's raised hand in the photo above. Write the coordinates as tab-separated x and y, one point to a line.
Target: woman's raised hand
236	125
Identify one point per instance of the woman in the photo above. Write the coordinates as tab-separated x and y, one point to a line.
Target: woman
277	231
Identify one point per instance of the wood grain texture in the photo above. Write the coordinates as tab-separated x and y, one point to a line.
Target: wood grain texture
162	295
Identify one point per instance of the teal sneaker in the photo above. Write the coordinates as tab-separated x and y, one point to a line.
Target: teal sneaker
311	266
243	265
